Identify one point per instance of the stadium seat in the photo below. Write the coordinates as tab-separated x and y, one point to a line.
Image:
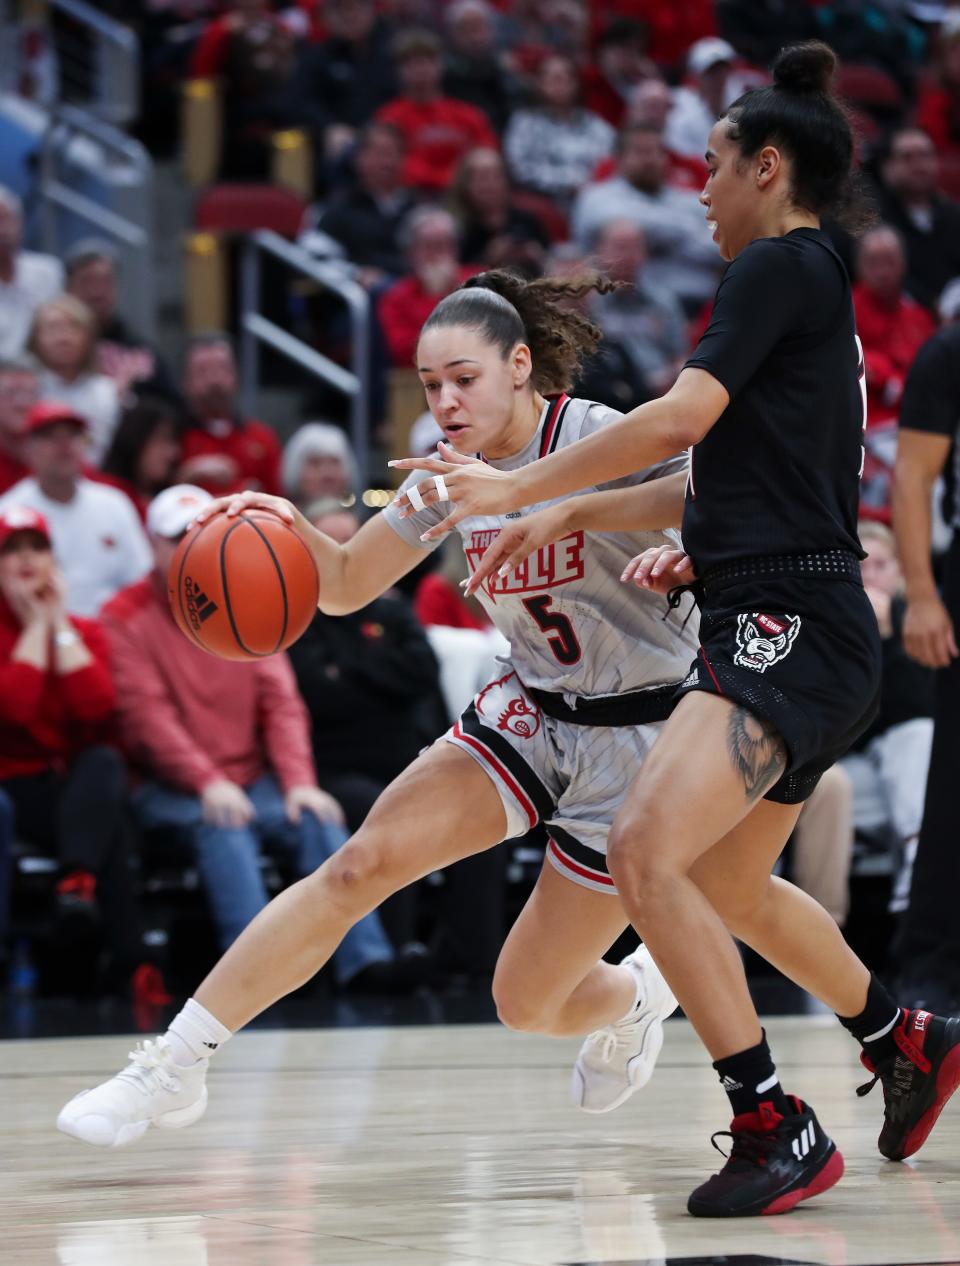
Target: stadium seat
549	215
870	88
243	208
220	212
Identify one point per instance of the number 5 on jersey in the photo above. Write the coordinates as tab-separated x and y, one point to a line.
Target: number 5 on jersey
560	635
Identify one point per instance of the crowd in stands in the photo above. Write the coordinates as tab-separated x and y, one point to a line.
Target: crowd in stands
447	138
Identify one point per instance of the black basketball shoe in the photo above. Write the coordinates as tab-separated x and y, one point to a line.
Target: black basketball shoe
917	1081
774	1163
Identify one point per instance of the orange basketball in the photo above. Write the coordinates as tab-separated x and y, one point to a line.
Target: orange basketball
243	587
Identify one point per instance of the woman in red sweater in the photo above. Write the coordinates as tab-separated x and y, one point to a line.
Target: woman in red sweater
63	787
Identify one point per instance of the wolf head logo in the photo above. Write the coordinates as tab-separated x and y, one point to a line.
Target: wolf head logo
763	640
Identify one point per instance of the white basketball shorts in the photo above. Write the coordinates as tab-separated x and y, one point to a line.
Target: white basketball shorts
572	778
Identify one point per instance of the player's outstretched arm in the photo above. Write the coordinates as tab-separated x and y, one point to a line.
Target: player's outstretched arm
350	575
647	435
645	507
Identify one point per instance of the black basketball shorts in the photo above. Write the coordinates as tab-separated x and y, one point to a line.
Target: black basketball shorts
803	654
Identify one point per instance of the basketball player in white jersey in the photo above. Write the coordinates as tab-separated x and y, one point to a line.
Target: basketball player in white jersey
556	738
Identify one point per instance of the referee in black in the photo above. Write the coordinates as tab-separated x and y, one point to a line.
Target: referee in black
928	945
772	408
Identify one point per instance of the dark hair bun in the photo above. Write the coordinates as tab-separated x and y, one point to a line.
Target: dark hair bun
808	67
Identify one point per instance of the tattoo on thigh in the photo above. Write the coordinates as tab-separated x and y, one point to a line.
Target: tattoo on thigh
756	750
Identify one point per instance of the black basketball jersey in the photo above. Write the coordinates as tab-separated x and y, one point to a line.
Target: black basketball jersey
779	472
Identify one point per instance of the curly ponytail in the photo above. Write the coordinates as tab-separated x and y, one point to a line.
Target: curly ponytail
506	309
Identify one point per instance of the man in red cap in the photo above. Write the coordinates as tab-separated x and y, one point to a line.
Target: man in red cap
63	788
97	535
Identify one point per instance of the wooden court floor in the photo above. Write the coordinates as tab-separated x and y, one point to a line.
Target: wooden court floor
446	1146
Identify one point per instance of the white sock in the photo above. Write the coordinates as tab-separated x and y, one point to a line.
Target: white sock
195	1034
637	996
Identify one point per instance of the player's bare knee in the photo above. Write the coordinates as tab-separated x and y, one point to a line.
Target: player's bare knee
519	1011
361	865
637	865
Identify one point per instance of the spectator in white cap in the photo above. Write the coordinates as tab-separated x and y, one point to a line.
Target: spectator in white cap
224	753
318	462
97	535
715	85
27	279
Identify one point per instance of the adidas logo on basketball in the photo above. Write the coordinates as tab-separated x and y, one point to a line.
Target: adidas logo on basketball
199	607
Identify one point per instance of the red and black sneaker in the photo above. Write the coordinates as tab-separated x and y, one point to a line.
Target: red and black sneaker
774	1163
917	1081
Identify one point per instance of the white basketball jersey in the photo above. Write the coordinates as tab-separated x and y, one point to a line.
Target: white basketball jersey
573	626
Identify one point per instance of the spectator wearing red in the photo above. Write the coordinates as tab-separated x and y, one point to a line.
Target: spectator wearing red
938	106
222	451
435	270
19	392
247	21
223	748
892	326
554	146
63	783
439	130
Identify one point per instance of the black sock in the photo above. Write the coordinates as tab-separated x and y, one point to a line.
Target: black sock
750	1078
875	1025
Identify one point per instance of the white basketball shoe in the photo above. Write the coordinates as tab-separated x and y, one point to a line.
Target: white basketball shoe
619	1059
151	1090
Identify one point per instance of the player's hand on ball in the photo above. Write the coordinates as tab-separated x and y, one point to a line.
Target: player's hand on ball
474	486
928	632
320	803
226	804
516	542
236	502
660	569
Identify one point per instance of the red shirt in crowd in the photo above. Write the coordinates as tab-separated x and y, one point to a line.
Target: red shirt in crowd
672	27
938	114
438	134
404	308
892	334
227	455
188	718
11	472
437	601
47	717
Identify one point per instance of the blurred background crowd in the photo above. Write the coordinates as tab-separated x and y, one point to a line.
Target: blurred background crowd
221	227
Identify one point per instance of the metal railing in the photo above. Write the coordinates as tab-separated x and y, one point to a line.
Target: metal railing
256	329
100	70
78	147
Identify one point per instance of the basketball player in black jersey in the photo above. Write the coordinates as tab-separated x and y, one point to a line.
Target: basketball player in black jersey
771	407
